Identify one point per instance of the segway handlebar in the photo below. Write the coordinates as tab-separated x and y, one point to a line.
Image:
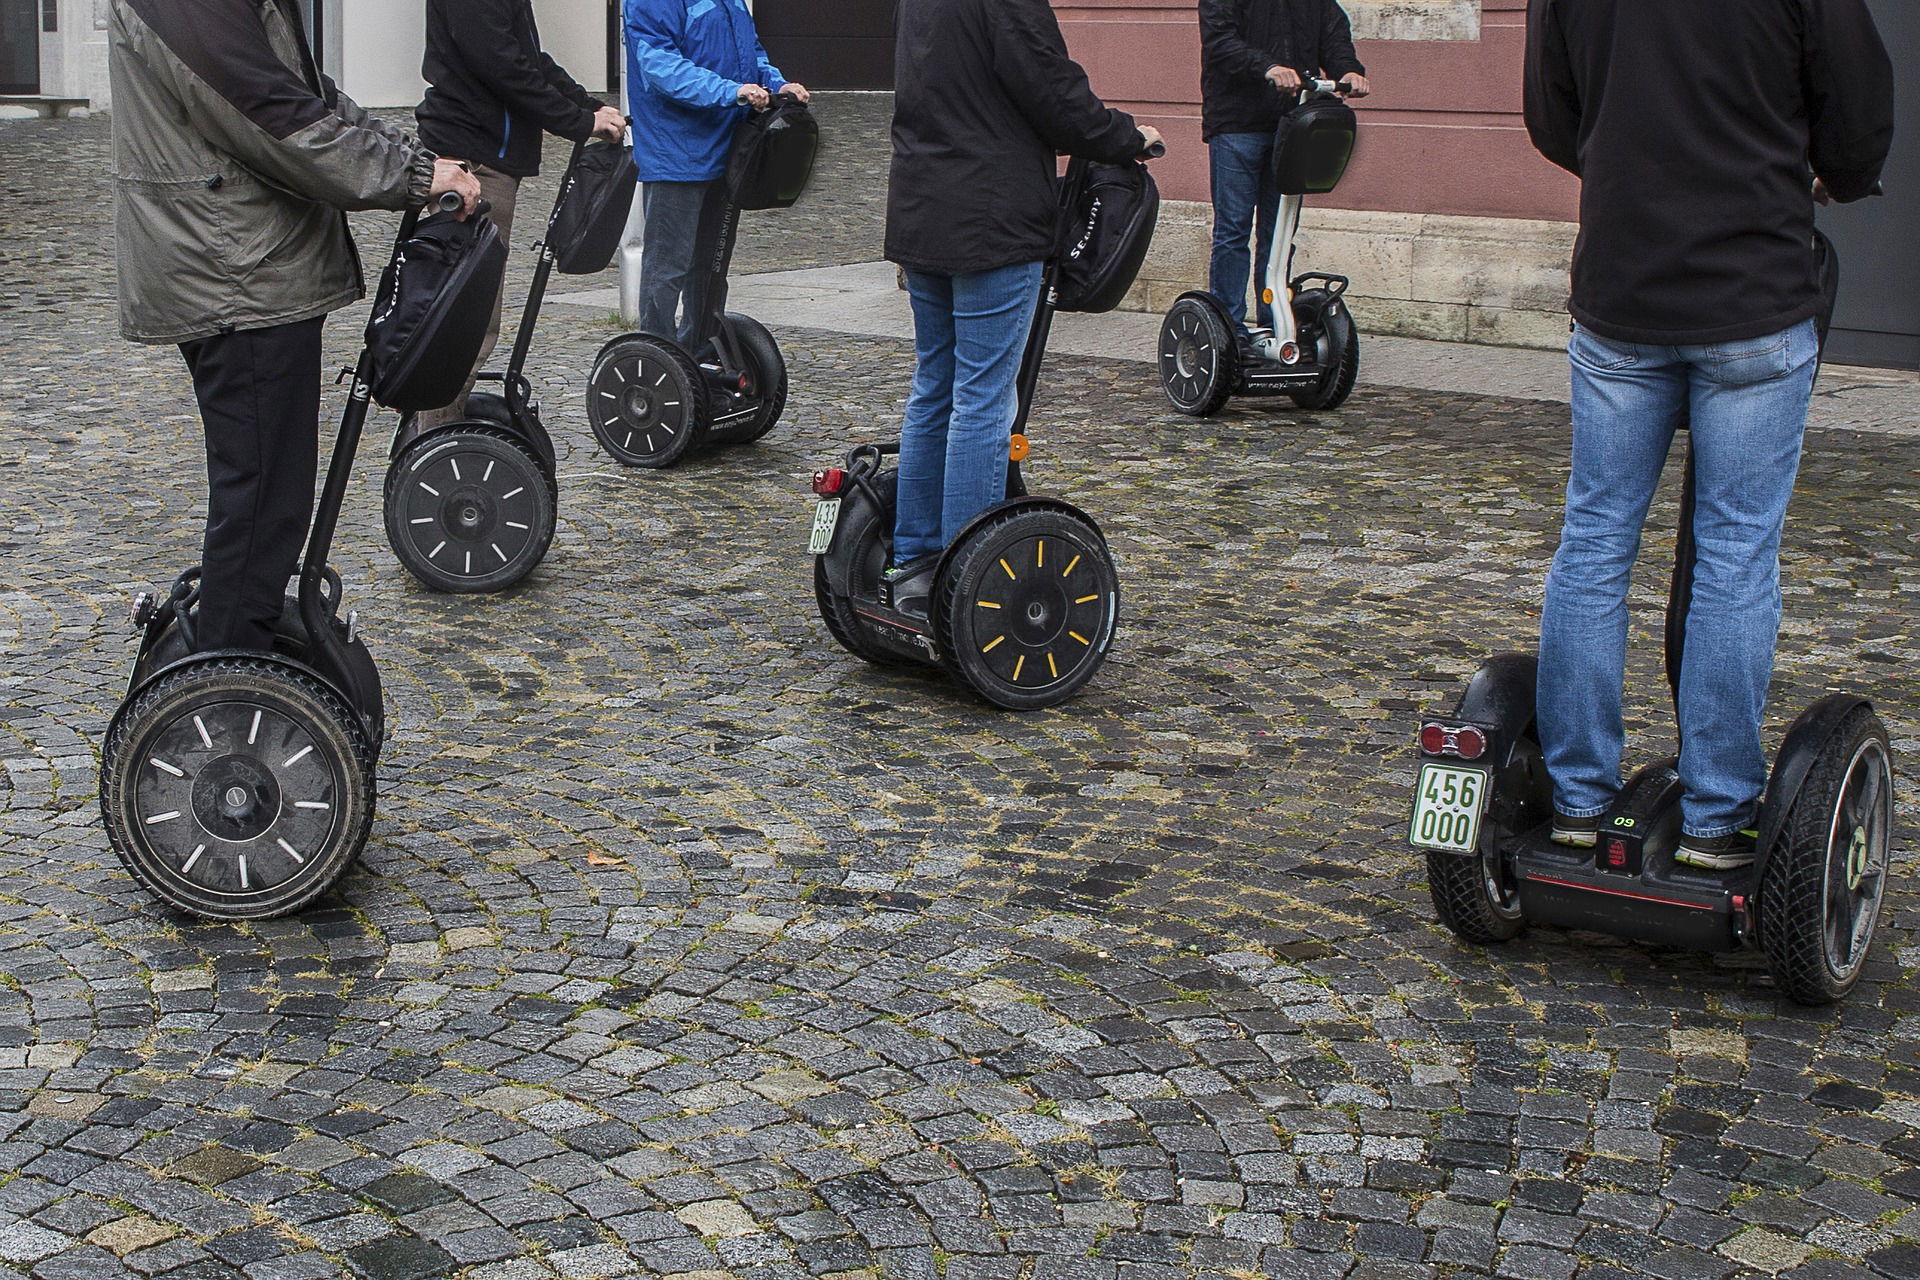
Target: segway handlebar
1155	151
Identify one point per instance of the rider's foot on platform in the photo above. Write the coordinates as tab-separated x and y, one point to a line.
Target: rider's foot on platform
1575	833
1718	853
910	584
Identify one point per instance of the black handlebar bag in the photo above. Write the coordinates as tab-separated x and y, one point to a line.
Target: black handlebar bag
1312	145
772	156
1106	237
593	216
431	312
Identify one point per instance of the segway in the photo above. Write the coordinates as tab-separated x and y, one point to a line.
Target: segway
1026	599
1809	902
651	401
240	785
1312	354
471	506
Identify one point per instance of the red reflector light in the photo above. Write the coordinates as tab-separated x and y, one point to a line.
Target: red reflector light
1469	743
827	483
1616	852
1433	738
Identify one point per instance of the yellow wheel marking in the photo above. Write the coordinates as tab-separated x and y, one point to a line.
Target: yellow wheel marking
987	604
1069	569
1019	663
1040	554
1085	599
1008	568
1051	666
1077	636
988	646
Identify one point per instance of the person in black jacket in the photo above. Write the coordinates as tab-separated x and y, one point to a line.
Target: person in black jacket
492	93
986	99
1702	133
1254	57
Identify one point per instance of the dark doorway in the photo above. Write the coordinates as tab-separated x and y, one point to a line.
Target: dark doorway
20	46
1878	320
829	44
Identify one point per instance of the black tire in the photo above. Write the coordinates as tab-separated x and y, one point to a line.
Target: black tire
646	402
852	567
1473	894
766	380
1030	637
469	508
237	788
1819	897
1338	355
1199	357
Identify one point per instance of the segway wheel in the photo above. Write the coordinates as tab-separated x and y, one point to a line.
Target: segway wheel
1821	891
469	508
1199	357
1474	894
766	381
1026	606
1338	350
646	402
237	788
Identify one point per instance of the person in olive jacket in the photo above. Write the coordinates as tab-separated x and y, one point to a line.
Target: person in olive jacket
986	99
233	158
492	93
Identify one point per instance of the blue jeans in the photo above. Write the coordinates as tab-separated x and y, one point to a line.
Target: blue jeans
1241	165
1747	403
969	332
675	215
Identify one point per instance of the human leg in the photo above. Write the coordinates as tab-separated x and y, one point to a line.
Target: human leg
671	213
502	191
1627	401
259	394
1234	163
923	432
1749	414
1266	226
992	314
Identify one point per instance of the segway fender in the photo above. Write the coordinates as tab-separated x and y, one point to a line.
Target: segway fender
1028	502
1794	760
492	407
1500	697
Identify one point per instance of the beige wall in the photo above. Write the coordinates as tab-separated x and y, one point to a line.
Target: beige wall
381	42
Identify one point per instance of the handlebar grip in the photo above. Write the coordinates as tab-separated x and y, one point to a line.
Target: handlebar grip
1155	151
449	202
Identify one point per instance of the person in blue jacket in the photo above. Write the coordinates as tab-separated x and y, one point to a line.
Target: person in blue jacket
694	70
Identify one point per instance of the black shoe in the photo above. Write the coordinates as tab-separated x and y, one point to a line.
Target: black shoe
1576	833
906	588
1718	853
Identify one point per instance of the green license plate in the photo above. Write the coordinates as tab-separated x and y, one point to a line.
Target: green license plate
1447	804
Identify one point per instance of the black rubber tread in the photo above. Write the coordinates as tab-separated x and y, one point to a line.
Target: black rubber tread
1334	388
763	354
489	406
1214	392
978	554
853	555
1460	899
692	392
504	444
1792	894
292	692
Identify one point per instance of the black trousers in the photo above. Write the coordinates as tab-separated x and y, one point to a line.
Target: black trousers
259	393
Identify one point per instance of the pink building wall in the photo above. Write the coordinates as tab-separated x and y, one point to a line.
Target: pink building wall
1442	132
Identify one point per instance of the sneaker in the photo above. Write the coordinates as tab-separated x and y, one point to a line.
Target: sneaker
1576	833
1718	853
908	586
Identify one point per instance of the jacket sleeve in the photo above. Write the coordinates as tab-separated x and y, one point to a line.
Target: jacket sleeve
360	118
1224	45
492	44
1552	100
769	74
1337	56
1050	89
1848	82
653	36
243	99
569	88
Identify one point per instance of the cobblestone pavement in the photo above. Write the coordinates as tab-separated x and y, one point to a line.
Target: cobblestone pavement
688	946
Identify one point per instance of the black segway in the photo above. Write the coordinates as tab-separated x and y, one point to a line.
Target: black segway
240	785
1483	813
651	401
471	506
1312	355
1025	600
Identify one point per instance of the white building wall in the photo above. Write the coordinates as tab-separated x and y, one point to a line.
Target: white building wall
73	60
381	42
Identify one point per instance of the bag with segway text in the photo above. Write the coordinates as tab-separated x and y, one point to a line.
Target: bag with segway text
772	155
1312	145
430	314
1106	237
593	217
